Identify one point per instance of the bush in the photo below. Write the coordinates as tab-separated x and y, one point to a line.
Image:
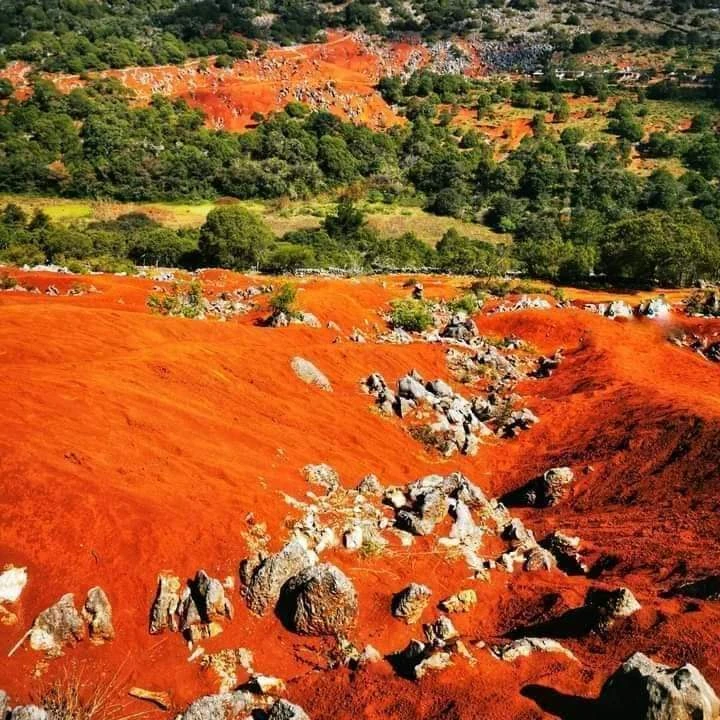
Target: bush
468	304
283	300
411	315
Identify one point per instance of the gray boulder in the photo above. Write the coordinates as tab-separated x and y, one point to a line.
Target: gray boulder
228	706
319	600
284	710
3	704
641	689
273	572
410	602
309	374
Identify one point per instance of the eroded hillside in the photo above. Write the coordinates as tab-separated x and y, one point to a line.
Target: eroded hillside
136	444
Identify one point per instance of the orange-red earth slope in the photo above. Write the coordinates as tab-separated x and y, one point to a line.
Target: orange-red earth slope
134	443
339	75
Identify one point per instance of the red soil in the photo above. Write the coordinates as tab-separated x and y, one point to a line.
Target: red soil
339	75
134	443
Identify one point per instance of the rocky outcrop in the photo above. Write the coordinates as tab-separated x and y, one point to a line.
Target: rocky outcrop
308	373
265	580
202	603
57	626
370	485
320	600
410	603
228	706
643	689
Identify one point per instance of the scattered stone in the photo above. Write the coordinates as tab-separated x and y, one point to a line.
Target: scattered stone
370	485
12	583
284	710
610	605
642	688
656	308
707	588
273	572
528	645
323	475
265	685
319	600
202	604
3	704
545	491
98	614
306	318
57	626
410	603
461	602
441	632
309	374
167	600
225	664
461	328
565	551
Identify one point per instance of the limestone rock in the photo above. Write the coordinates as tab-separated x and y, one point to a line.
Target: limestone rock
12	583
410	603
273	572
440	632
370	485
461	602
29	712
643	689
524	647
98	614
319	600
167	600
228	706
58	625
284	710
611	605
322	475
309	374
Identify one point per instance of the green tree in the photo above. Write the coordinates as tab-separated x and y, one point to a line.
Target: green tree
233	237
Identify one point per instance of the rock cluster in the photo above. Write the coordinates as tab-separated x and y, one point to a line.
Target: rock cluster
459	423
194	610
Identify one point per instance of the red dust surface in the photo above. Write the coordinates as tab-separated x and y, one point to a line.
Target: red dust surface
134	443
339	75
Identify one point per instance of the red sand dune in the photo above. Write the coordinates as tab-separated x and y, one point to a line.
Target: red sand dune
134	443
